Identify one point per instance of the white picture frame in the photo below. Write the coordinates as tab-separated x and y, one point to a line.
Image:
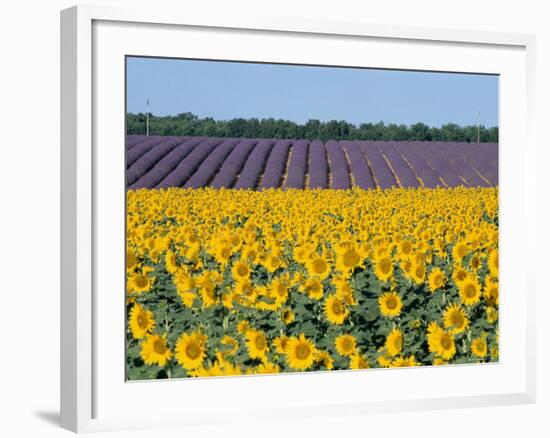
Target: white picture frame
91	180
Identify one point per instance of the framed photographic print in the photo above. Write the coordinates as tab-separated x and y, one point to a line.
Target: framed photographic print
261	208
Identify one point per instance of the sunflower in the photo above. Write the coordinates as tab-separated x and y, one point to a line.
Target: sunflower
459	274
155	351
131	259
345	345
207	291
268	368
257	345
490	292
230	345
358	362
493	262
313	288
240	270
325	359
404	248
272	262
492	315
384	359
441	342
460	250
418	272
171	262
287	315
436	279
455	319
384	268
251	253
245	289
335	310
300	352
302	253
280	343
140	282
475	262
401	361
479	347
243	326
469	290
222	253
191	350
142	321
344	291
318	266
390	304
348	258
278	290
185	285
394	342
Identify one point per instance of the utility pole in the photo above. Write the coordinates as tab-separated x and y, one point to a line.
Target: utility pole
478	124
147	123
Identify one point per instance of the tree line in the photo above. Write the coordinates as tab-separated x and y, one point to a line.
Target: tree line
192	125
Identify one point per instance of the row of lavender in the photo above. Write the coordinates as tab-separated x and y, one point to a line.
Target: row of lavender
193	162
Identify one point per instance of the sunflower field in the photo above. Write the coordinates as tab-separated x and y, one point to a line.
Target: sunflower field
229	282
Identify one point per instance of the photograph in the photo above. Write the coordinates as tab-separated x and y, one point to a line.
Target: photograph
285	218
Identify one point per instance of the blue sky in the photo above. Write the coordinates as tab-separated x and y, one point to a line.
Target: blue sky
225	90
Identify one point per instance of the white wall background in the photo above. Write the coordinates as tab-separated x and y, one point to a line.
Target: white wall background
29	214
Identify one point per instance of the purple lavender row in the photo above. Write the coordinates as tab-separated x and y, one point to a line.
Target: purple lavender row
231	167
358	165
146	162
297	168
439	156
338	166
187	167
318	166
132	140
166	165
403	172
467	173
484	158
254	165
380	169
137	151
210	166
275	166
420	167
453	153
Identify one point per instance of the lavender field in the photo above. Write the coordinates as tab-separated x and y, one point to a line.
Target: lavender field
194	162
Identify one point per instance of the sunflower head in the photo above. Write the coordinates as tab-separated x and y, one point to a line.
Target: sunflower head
345	345
455	319
155	351
469	290
336	310
394	342
493	262
240	270
313	288
479	347
142	321
384	268
390	304
436	279
300	352
191	350
256	344
441	342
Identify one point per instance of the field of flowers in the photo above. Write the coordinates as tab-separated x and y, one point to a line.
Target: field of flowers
226	282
